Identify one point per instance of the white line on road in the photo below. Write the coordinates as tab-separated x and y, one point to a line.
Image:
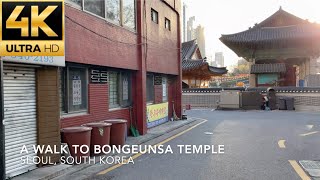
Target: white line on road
309	133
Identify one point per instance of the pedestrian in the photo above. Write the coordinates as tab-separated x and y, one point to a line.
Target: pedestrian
266	103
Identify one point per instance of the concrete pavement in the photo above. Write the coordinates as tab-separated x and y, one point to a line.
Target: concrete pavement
251	148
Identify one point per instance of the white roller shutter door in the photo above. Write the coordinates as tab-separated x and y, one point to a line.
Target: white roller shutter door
20	117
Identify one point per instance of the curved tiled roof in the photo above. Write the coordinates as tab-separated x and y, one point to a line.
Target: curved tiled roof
280	26
195	64
268	68
192	64
188	48
267	34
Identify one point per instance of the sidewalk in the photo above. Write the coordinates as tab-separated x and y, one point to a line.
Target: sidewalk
51	172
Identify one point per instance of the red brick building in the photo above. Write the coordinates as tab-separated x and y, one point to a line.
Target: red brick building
122	60
120	54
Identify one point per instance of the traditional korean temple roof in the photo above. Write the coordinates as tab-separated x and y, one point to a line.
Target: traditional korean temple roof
268	68
201	65
280	30
188	49
267	34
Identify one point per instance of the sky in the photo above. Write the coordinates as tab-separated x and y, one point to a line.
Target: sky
233	16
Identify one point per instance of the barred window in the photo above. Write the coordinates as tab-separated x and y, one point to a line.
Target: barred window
113	89
119	89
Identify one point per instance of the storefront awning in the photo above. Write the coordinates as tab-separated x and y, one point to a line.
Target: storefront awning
268	68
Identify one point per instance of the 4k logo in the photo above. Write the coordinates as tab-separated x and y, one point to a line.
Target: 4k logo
32	28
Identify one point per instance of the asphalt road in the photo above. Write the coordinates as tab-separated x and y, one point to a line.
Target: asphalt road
251	148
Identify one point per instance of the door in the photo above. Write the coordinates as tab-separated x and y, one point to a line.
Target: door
19	117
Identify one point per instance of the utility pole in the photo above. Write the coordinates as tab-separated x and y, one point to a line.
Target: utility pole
2	138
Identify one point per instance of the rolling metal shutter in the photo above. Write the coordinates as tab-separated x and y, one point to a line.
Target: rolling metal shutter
20	117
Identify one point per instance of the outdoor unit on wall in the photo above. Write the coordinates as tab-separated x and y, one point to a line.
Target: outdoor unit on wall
229	99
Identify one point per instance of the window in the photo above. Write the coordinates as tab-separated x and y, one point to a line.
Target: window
96	7
119	89
164	89
150	88
75	2
167	24
74	90
113	90
113	10
129	18
120	12
154	16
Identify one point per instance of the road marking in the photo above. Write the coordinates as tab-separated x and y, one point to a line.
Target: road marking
310	133
281	143
309	126
160	143
299	170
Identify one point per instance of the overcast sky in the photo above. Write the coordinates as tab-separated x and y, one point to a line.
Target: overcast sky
232	16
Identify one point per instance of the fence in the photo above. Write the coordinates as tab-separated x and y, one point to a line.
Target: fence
305	99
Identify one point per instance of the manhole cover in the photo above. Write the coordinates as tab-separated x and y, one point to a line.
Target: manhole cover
312	167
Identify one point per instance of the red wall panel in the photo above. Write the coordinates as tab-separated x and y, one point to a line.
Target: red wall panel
163	45
87	47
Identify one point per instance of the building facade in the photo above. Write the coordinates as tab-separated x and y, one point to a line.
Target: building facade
201	40
121	58
134	45
190	28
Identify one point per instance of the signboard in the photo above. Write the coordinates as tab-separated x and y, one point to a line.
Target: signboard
32	28
157	80
98	76
76	90
157	114
39	60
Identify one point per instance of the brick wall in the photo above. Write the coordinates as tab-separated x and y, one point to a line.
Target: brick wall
83	46
98	108
157	94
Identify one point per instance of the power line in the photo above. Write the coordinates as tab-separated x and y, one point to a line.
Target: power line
121	42
100	35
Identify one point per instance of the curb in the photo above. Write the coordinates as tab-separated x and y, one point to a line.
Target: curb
74	168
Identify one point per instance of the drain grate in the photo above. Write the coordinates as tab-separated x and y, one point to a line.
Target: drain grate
310	164
312	167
